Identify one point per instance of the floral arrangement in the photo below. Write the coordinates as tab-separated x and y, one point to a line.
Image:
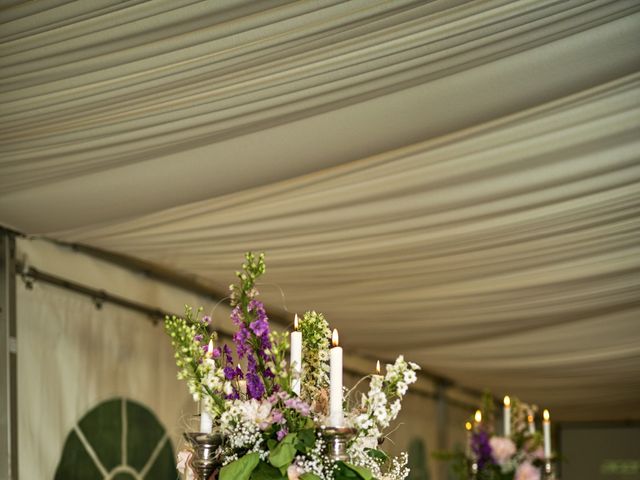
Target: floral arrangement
270	432
490	456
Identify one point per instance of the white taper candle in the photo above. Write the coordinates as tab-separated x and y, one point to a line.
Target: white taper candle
336	416
296	358
206	422
507	416
546	430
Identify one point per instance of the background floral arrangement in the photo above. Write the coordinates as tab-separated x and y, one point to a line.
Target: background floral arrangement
269	432
489	456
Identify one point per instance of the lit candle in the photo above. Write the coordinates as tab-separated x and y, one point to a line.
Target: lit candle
296	357
468	428
532	425
507	416
478	417
336	416
378	367
546	430
206	422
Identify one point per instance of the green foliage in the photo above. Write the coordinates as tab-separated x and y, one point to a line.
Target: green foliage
284	452
252	269
348	471
315	353
377	455
189	352
264	471
241	468
309	476
279	353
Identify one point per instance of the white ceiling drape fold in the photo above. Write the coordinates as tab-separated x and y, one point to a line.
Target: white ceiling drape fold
456	180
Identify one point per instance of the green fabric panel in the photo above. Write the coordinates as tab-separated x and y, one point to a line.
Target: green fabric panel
124	476
164	468
102	427
75	463
143	434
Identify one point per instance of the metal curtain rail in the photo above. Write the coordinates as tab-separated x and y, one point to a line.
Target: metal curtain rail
31	274
176	280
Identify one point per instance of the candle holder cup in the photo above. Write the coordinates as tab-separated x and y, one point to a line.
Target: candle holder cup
548	470
336	439
206	459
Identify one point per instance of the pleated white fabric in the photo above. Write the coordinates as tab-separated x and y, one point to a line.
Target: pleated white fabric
458	181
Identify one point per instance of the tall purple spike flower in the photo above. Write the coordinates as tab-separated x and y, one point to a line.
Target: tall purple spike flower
481	448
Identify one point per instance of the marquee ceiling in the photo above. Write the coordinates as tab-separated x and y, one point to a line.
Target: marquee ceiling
458	181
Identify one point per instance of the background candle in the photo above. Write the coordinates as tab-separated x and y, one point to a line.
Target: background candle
546	430
507	416
478	417
296	357
532	425
336	416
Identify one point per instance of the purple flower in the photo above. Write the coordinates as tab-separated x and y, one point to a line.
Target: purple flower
198	338
215	353
481	448
277	416
282	433
228	356
236	316
298	405
255	388
233	395
229	372
206	320
260	327
241	340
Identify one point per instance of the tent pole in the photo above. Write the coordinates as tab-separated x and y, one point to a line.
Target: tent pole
8	359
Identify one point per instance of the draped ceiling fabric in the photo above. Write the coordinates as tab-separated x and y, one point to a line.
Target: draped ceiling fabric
458	181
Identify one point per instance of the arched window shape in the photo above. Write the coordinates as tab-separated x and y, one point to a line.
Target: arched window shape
117	440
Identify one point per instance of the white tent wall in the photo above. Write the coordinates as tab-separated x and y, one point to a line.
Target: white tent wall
73	355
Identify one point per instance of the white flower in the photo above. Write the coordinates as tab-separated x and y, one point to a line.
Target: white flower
258	412
370	442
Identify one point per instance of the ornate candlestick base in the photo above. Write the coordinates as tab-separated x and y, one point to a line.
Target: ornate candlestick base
548	472
337	439
206	458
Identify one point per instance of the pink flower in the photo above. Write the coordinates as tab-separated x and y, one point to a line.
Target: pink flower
502	449
526	471
294	472
538	453
184	456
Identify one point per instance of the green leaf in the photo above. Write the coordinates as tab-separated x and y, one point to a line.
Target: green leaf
309	476
306	440
264	471
284	453
343	472
376	454
363	473
241	468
